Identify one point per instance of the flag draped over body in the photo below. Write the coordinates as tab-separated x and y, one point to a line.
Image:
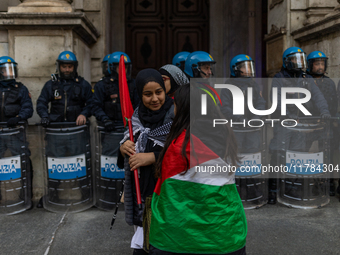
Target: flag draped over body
196	212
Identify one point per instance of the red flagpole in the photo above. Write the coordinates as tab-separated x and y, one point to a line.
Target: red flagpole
127	111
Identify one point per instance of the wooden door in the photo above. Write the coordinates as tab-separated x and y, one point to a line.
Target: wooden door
158	29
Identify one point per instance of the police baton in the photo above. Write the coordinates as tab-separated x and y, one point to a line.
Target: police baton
117	205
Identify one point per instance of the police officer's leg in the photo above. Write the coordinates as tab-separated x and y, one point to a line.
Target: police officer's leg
55	148
274	151
277	147
79	144
3	148
110	147
19	146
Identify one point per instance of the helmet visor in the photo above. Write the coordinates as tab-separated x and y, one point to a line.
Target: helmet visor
206	69
104	68
8	71
245	68
115	70
297	60
128	70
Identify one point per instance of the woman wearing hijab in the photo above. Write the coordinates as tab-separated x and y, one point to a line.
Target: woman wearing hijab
195	211
173	78
151	123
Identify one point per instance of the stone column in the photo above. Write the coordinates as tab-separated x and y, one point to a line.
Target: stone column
42	6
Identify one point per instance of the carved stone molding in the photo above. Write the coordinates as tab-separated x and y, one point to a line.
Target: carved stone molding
275	32
329	24
274	3
78	22
316	14
42	6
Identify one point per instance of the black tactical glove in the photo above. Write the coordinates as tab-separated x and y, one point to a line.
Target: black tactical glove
45	122
109	125
13	121
325	116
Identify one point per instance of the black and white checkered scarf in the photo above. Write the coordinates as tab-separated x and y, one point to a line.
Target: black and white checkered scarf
158	135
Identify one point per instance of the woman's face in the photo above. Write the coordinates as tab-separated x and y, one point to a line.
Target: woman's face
153	96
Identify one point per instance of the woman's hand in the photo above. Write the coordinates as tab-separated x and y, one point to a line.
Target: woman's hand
141	159
128	148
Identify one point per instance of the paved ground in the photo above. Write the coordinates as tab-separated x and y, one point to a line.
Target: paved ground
272	229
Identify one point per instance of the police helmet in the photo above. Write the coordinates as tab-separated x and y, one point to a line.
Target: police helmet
294	58
113	64
242	65
316	56
179	59
67	57
198	64
8	68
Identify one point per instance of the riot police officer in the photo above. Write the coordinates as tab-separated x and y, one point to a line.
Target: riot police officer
199	64
16	105
70	99
317	66
106	101
242	72
107	110
70	95
293	66
249	140
179	59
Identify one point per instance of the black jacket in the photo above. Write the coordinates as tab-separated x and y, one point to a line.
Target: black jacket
68	98
133	215
227	99
106	100
283	79
15	100
328	89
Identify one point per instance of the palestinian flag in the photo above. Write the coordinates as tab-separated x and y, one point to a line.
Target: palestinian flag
197	212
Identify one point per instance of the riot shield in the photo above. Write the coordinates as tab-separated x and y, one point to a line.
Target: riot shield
68	175
15	170
108	176
250	181
304	183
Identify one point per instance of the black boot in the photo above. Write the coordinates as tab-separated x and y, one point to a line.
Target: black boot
272	198
331	188
272	191
40	203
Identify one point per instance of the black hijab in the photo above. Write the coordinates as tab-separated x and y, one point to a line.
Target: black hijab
151	119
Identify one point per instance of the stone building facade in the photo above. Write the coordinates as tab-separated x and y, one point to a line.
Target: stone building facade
34	32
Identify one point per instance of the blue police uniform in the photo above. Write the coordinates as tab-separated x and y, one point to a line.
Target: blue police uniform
15	105
284	138
69	99
106	102
14	101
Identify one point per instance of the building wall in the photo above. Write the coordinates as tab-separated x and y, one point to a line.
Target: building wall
295	16
36	51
